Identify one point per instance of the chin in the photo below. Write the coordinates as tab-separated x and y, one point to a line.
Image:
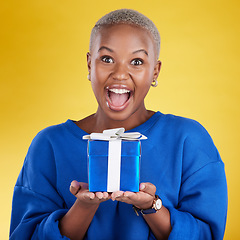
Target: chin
120	116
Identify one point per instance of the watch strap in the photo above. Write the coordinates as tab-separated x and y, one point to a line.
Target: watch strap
147	211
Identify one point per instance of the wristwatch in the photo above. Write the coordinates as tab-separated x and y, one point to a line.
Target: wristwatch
157	204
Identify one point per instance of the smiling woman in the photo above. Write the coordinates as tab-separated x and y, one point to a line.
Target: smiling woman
121	77
180	165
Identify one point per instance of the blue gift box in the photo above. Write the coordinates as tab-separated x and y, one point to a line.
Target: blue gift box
105	173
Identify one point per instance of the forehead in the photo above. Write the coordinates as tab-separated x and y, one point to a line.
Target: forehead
124	36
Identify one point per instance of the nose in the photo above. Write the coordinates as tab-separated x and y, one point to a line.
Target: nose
120	72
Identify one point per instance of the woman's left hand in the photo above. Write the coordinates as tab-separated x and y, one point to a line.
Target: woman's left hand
142	199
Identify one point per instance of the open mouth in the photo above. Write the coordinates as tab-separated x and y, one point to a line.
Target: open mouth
118	98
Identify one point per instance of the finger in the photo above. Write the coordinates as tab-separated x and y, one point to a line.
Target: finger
99	195
124	196
105	195
116	194
129	197
129	194
148	188
86	196
75	187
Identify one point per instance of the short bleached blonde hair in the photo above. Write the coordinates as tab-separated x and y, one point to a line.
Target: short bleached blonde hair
127	16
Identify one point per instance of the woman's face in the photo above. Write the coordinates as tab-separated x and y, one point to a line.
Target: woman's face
122	65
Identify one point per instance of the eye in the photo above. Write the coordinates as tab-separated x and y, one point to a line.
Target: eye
137	62
107	59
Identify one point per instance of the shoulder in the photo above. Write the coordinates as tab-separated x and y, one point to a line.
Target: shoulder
46	142
198	148
194	134
50	131
39	160
182	122
54	133
178	125
197	151
187	133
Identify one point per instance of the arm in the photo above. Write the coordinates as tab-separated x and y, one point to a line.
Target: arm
75	223
159	222
34	216
37	203
40	216
201	211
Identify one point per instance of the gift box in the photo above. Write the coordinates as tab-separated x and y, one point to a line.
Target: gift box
114	161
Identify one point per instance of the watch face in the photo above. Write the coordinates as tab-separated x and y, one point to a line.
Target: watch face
158	204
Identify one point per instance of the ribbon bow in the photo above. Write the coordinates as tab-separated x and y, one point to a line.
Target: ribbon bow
114	134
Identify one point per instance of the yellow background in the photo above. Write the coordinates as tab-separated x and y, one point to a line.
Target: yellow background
43	74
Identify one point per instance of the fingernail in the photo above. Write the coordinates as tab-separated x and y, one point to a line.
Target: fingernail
142	186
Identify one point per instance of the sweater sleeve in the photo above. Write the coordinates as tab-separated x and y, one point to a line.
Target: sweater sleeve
202	207
37	206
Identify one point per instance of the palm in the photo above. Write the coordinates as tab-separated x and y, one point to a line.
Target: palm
142	199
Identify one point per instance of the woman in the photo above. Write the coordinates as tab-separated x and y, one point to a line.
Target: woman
180	164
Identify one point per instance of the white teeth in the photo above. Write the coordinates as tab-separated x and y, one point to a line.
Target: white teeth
119	91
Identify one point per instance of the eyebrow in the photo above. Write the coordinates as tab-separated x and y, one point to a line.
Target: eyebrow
141	50
103	47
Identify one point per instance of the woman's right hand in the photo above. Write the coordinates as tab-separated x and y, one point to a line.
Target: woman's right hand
76	221
81	191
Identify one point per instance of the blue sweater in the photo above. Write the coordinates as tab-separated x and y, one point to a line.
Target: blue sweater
179	158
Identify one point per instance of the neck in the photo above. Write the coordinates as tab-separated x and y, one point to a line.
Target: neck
103	121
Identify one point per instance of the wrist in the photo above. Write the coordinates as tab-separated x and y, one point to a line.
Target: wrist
90	205
155	207
146	205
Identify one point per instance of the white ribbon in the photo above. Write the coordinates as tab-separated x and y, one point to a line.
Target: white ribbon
114	165
115	137
114	134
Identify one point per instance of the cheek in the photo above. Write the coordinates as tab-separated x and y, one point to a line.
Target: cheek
98	79
99	73
143	78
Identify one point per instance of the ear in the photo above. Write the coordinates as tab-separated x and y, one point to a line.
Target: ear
157	69
89	61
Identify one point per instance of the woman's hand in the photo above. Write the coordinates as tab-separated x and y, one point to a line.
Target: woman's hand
142	199
76	221
84	197
159	222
